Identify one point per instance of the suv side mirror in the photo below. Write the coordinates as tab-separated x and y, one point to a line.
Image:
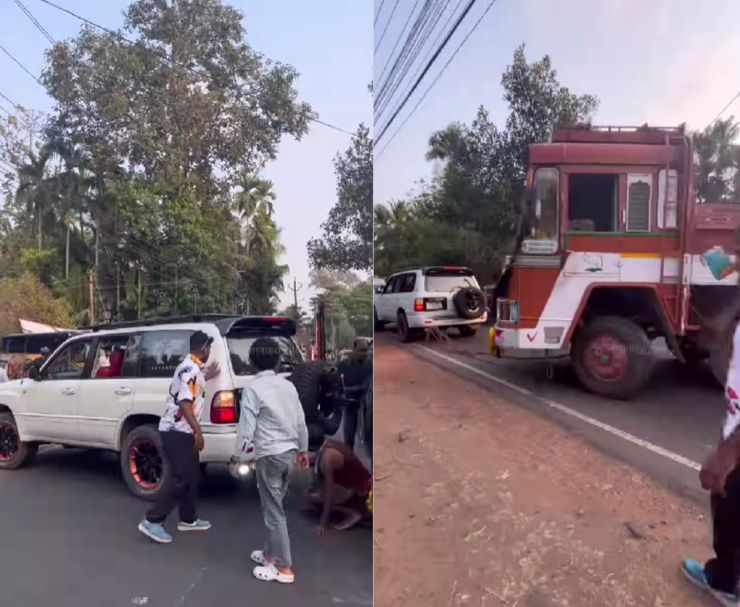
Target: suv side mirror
34	373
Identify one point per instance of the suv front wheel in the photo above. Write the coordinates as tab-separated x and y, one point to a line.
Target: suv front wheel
143	464
14	452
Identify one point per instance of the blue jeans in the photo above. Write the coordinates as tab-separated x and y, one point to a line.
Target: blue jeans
272	481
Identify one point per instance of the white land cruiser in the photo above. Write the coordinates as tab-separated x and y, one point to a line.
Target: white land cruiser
107	389
439	296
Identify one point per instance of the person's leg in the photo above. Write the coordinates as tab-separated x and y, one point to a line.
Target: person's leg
173	489
350	423
272	482
723	571
188	499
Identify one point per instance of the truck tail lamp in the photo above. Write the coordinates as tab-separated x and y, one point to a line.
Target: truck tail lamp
223	408
507	311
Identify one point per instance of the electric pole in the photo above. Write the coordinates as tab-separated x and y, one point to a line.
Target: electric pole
91	294
296	287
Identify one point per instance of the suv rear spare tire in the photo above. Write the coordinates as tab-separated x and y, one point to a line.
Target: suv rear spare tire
14	452
470	303
612	357
143	465
312	381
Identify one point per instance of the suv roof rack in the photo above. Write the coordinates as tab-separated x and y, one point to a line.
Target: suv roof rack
224	322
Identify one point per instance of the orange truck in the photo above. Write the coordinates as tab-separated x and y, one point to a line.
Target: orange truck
615	251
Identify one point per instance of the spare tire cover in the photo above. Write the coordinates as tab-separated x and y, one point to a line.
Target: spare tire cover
470	303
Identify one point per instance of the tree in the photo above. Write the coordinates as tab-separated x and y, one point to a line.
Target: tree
468	215
26	297
347	240
717	162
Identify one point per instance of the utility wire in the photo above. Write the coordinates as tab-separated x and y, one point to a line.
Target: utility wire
23	67
385	29
395	46
722	111
161	54
426	24
439	75
426	69
380	8
35	21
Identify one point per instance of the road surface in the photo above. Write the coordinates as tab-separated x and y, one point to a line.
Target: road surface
69	539
480	502
666	431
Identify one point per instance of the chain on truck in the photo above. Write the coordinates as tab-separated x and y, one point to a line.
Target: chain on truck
613	252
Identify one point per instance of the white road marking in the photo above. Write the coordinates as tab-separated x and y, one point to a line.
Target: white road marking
675	457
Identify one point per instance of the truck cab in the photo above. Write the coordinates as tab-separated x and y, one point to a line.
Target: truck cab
614	251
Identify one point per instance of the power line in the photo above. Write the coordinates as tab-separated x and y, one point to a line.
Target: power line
380	8
385	29
395	46
418	103
35	21
426	69
23	67
426	23
161	54
722	111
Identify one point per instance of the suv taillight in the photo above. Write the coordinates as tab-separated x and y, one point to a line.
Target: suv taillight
223	408
419	305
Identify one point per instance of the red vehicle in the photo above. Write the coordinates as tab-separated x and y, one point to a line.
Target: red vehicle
615	251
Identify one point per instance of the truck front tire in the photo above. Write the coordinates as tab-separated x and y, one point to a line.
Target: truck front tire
612	357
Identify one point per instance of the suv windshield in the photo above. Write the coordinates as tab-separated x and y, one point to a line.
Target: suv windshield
240	343
444	282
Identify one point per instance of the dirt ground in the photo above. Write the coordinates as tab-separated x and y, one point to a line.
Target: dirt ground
480	503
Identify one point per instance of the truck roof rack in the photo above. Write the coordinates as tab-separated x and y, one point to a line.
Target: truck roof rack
587	133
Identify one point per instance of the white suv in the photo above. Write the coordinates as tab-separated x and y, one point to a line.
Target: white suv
107	388
439	296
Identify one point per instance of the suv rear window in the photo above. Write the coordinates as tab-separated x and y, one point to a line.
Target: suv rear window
444	281
240	342
162	351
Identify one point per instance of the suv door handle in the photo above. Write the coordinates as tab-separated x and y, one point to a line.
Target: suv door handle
69	391
123	391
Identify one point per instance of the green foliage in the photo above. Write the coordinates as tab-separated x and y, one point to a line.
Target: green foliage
349	305
468	215
346	243
148	168
717	162
26	297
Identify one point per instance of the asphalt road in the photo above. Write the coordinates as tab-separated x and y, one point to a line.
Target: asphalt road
680	411
68	538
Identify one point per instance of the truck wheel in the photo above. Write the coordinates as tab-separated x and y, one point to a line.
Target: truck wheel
379	326
143	464
467	331
612	357
14	452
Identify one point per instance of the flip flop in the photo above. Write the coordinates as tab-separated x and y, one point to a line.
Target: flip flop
269	573
258	557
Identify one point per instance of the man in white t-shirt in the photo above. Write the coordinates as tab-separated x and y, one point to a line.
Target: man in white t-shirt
720	475
182	440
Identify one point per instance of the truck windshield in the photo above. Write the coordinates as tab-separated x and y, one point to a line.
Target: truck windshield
240	343
541	214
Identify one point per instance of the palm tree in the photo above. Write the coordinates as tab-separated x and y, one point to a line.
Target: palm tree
36	191
255	206
446	143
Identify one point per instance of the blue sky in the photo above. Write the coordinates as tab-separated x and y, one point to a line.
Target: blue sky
662	62
328	41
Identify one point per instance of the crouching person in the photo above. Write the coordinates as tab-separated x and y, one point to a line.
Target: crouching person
272	420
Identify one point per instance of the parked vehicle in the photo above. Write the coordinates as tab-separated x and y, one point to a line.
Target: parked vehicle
423	298
615	251
106	388
30	345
